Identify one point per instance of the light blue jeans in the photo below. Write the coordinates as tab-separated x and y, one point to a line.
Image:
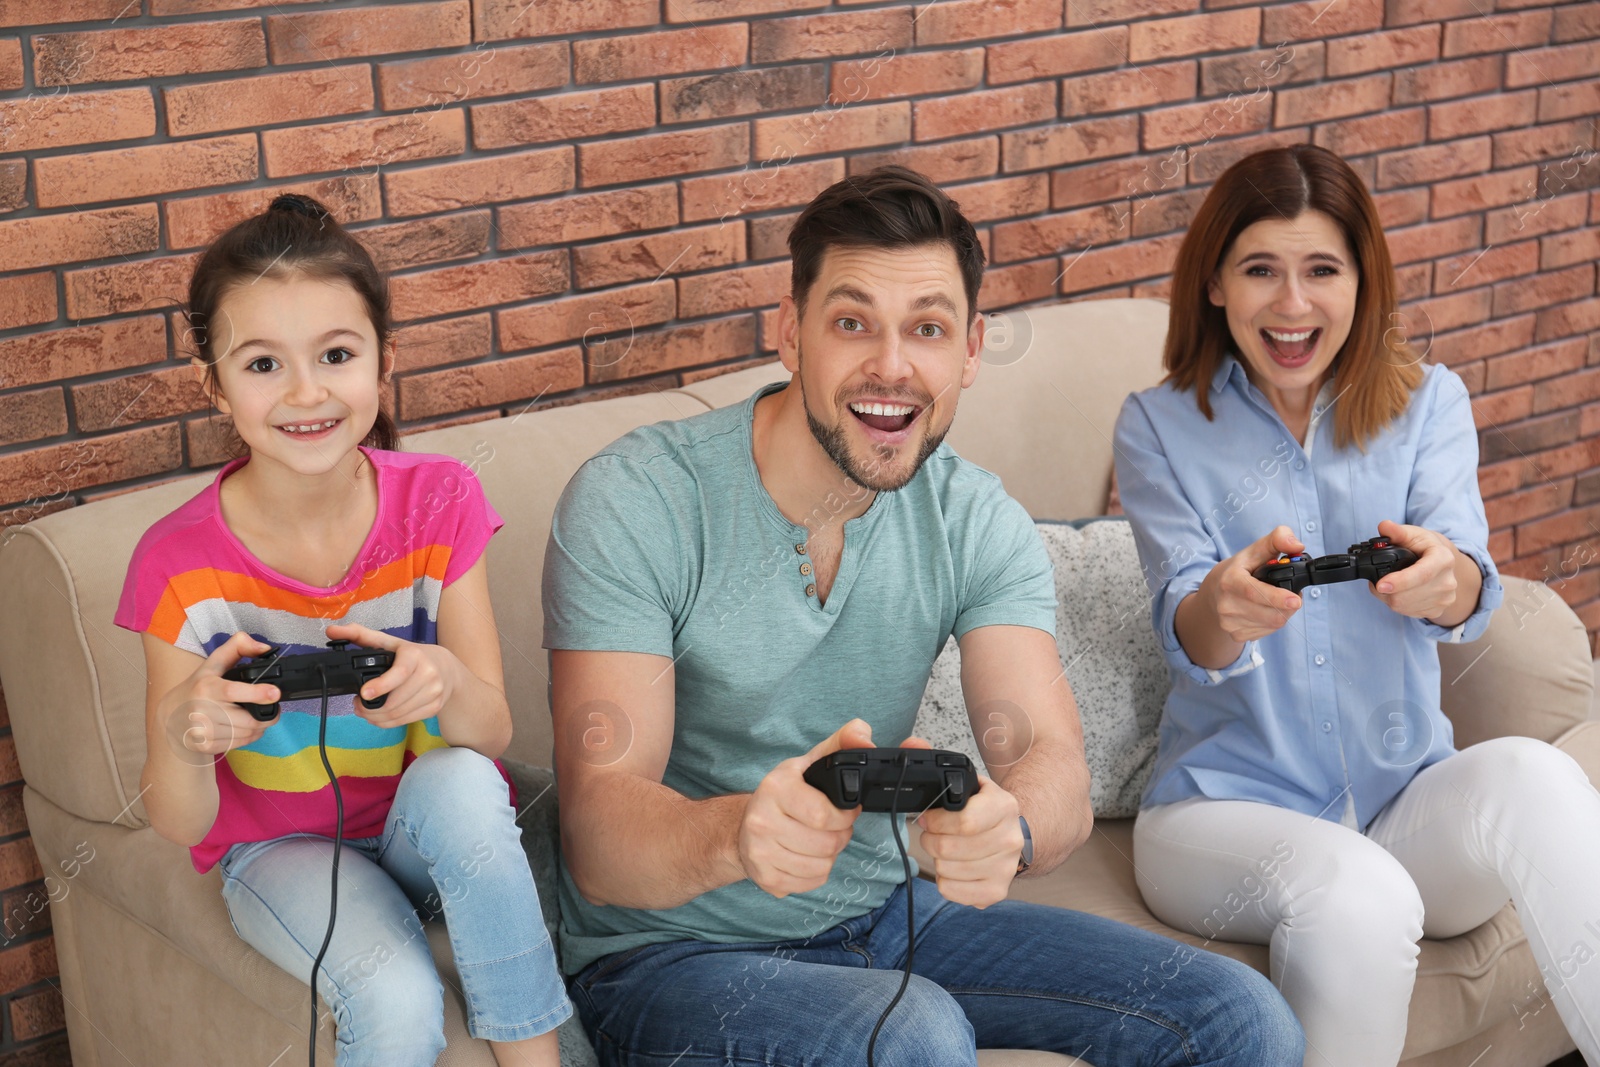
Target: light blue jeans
450	847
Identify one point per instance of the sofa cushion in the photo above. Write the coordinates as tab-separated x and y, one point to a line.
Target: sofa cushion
1112	661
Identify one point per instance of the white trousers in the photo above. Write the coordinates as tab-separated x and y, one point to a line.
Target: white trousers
1342	912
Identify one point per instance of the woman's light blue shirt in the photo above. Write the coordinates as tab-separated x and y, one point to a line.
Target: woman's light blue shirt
1335	712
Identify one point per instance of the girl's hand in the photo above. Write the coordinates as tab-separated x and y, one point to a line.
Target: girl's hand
1246	607
419	684
213	722
1427	588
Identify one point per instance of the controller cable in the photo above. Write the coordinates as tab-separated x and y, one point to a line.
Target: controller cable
911	921
338	846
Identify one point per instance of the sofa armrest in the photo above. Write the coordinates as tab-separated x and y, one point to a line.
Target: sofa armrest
1529	675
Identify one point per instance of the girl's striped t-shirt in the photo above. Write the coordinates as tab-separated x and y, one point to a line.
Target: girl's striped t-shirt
193	584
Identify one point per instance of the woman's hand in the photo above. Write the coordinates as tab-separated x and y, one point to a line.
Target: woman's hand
213	722
1429	588
1247	608
419	684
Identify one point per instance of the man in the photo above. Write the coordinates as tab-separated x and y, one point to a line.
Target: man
730	597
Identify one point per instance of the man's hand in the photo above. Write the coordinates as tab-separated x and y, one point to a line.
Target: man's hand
791	832
975	850
1247	608
1427	589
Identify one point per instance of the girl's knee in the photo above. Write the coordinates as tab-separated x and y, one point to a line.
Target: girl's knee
395	1015
453	779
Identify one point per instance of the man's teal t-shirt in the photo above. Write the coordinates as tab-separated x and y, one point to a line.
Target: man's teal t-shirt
667	543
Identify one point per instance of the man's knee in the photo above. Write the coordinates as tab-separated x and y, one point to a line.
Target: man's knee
926	1027
1247	1020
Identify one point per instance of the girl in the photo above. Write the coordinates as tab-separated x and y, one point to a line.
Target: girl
1303	754
323	521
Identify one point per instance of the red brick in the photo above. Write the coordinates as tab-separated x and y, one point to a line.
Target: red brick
13	184
1564	140
1075	143
32	415
563	117
1442	313
1373	133
1434	239
951	161
701	97
677	346
364	144
769	236
1560	529
136	285
719	292
658	155
75	465
1409	12
445	186
1401	207
1454	349
1579	457
53	355
1496	33
195	221
991	109
1528	504
10	63
757	189
143	172
32	13
1541	66
1192	124
1163	214
1594	206
911	74
1118	90
1190	35
1102	267
245	103
1207	162
1542	290
1565	249
1113	180
572	318
371	30
1019	283
1441	81
1094	12
1568	320
31	960
114	402
1385	50
36	1014
846	33
496	20
651	55
1530	218
502	71
1580	22
447	290
832	129
429	344
1051	235
1493	264
47	240
1320	19
1462	118
1544	362
147	52
950	21
28	300
58	120
493	384
436	239
1434	162
197	7
1413	282
1500	409
1249	72
685	249
1057	54
1332	100
587	215
1558	102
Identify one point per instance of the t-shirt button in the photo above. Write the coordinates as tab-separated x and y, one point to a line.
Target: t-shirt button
801	548
811	590
805	569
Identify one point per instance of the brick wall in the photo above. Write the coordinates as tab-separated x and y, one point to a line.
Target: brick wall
582	198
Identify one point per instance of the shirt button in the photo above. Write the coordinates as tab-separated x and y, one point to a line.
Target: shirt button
805	569
1321	661
1327	727
811	590
1299	464
801	548
1311	527
1315	593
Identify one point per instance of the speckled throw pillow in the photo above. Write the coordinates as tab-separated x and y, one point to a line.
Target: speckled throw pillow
1113	663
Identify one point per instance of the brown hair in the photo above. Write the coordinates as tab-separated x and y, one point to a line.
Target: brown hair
294	236
1375	371
888	207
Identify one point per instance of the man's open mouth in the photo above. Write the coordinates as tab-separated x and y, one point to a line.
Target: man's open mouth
885	417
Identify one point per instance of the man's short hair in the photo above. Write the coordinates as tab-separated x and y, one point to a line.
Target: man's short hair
889	207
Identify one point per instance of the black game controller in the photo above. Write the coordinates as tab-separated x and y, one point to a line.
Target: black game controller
866	777
298	677
1370	560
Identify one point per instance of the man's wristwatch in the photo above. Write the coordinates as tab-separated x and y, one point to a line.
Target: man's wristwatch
1026	859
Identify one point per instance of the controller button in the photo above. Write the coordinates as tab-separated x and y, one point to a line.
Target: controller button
850	757
367	661
850	785
955	785
950	759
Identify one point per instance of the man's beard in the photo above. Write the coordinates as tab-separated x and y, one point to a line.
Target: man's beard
874	474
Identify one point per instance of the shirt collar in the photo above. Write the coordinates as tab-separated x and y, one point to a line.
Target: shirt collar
1232	368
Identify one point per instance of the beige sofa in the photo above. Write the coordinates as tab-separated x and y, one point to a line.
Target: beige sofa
151	971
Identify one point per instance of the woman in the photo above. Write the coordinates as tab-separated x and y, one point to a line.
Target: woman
1306	794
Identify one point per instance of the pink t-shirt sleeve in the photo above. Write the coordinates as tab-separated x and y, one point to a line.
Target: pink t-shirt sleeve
476	522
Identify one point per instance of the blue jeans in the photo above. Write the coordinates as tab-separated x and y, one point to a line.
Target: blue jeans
449	847
1014	975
